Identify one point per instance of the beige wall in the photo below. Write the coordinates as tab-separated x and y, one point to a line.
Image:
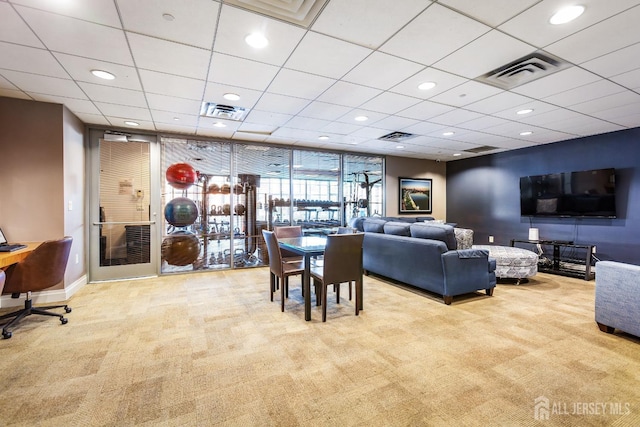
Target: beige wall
397	167
41	169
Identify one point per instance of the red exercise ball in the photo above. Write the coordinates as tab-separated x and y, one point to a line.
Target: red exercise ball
181	175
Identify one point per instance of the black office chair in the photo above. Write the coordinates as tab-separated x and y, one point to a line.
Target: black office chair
41	269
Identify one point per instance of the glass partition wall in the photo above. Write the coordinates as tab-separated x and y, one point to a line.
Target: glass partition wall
219	196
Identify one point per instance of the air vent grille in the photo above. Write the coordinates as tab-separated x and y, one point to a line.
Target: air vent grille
299	12
227	112
396	136
481	149
523	70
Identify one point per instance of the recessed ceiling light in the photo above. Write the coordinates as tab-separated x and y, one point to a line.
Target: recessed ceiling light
525	111
426	85
525	133
457	154
103	74
219	125
399	147
361	118
256	40
130	123
448	133
231	96
177	119
168	17
566	14
323	137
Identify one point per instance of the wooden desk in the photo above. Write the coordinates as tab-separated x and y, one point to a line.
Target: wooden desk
8	258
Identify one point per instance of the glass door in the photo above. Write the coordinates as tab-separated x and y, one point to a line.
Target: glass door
123	206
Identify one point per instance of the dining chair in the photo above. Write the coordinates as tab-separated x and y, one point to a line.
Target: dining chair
342	263
284	231
43	268
280	270
346	230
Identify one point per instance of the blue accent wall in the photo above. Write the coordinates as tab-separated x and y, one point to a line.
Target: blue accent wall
483	194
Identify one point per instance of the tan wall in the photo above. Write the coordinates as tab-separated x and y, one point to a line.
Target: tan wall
41	168
397	167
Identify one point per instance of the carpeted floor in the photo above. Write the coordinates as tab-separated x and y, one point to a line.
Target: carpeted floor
211	349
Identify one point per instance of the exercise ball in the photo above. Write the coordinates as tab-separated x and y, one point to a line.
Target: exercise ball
181	175
181	212
180	248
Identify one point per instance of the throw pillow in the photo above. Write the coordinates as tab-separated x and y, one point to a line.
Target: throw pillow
430	230
464	237
397	228
373	225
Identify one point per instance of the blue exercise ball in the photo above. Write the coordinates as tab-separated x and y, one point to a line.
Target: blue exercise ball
180	248
181	212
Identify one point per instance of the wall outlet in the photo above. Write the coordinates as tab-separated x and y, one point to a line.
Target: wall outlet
70	205
490	239
77	259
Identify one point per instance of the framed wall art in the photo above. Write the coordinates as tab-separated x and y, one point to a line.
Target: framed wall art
415	195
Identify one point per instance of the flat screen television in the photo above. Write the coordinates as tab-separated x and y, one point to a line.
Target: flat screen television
589	193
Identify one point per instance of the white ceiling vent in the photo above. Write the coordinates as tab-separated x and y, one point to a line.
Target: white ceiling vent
396	136
227	112
524	70
299	12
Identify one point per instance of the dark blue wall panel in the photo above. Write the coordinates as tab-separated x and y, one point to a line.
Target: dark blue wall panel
483	193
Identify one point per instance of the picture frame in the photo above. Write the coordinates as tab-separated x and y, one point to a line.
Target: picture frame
415	195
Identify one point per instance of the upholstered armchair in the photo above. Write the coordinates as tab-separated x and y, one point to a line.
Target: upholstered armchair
617	303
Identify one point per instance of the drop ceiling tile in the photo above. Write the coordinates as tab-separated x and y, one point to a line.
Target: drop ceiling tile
325	111
61	34
281	104
372	116
382	71
482	123
585	93
630	80
607	103
113	95
149	18
425	110
490	12
389	103
537	106
424	128
556	83
484	54
124	112
455	117
593	126
624	115
499	102
348	94
444	81
169	85
79	69
326	56
14	30
30	60
367	23
555	119
176	58
371	132
466	93
236	24
299	84
6	84
207	124
446	32
615	63
307	123
611	34
169	118
120	122
215	92
341	128
533	24
234	71
173	104
267	118
44	85
394	123
168	127
93	119
100	11
77	106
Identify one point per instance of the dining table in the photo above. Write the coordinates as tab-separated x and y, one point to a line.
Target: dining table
309	247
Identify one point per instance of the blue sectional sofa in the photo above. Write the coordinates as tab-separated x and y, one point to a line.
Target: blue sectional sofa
425	255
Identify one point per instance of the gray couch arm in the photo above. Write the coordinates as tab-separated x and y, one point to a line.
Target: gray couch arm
617	304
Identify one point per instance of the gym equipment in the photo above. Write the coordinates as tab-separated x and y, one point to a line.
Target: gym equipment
180	248
181	175
181	212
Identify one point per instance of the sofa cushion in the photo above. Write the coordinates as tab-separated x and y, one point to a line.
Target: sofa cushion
429	230
373	225
464	237
397	228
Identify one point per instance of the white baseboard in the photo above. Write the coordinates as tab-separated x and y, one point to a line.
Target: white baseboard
45	297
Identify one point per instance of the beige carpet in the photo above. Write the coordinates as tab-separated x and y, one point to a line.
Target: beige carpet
211	349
